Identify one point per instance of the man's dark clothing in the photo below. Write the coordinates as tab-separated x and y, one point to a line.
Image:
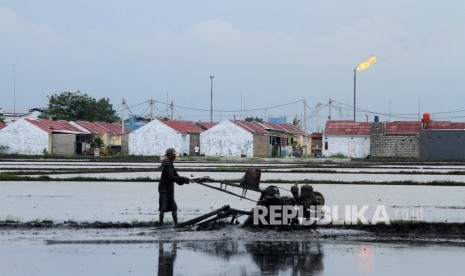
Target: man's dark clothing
169	175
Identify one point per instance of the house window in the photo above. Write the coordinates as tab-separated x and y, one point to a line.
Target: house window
326	145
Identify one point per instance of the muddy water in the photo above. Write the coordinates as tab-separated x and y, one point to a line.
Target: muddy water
127	202
229	258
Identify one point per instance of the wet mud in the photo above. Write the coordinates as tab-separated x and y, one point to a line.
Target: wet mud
149	232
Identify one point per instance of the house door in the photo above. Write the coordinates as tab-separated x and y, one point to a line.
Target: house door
351	148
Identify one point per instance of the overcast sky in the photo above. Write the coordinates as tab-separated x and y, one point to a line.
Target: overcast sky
270	52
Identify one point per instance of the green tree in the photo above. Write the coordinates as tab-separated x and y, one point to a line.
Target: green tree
74	106
251	119
2	119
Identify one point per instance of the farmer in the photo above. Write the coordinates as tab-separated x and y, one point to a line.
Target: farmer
166	186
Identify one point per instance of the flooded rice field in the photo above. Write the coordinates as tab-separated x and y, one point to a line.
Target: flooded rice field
229	258
138	201
230	250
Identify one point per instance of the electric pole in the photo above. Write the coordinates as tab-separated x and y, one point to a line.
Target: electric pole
211	98
305	128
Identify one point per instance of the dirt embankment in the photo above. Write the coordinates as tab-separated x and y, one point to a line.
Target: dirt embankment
398	231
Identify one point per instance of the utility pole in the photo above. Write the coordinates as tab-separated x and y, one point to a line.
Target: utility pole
355	85
211	98
14	92
123	104
242	117
305	128
151	109
316	118
330	105
171	108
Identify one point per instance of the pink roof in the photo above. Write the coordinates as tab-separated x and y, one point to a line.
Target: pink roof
446	125
206	125
2	125
402	127
183	127
252	127
347	128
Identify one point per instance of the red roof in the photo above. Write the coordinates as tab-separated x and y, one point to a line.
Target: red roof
54	126
205	125
446	125
93	127
183	127
40	125
114	128
316	135
252	127
2	125
402	127
284	127
347	128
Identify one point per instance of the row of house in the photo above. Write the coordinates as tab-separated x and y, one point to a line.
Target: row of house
434	140
230	138
39	136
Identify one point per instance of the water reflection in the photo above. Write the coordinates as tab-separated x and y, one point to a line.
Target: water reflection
267	258
166	258
301	258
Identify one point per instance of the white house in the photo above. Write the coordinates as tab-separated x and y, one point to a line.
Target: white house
22	137
36	137
157	136
236	139
347	138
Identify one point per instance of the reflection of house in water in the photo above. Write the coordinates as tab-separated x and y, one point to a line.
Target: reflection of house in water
166	259
302	258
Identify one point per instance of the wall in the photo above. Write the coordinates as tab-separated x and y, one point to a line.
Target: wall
153	139
194	141
261	146
403	146
349	146
316	146
226	139
442	144
22	137
125	143
63	144
381	145
185	144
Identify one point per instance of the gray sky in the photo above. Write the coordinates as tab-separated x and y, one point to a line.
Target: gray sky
271	52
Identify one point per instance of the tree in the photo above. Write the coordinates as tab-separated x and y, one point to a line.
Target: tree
74	106
2	119
251	119
296	122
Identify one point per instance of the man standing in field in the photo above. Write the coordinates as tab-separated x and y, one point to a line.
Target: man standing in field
169	175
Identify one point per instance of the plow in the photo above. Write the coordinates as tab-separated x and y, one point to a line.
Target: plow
269	198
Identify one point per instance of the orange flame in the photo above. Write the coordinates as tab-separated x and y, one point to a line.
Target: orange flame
366	63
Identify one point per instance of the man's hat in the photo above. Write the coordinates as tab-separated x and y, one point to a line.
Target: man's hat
170	151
